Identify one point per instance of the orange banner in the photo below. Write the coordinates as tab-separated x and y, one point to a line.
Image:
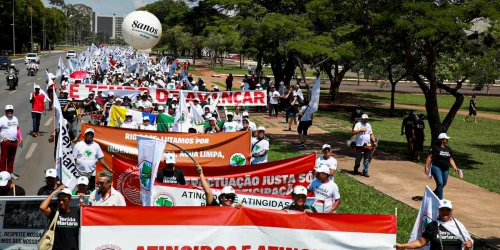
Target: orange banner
207	149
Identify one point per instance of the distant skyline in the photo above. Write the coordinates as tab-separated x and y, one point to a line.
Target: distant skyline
109	7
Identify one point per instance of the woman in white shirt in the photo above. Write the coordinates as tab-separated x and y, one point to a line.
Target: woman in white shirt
305	121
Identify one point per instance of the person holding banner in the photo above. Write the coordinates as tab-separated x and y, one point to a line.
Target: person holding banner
82	185
326	190
226	197
260	147
11	136
445	233
68	220
299	197
170	174
128	123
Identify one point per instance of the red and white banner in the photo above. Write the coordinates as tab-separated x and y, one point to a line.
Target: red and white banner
226	98
277	177
227	228
168	195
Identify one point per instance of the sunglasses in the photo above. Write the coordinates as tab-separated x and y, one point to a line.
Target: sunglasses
9	110
230	197
100	183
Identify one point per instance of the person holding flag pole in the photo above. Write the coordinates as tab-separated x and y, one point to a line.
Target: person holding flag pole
306	113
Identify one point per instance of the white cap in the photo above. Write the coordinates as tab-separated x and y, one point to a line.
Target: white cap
245	114
261	128
326	146
169	158
242	83
230	114
445	204
51	173
170	95
111	93
228	190
258	85
300	190
65	91
129	114
145	118
155	101
208	116
215	87
364	116
323	169
4	178
118	99
89	130
37	86
65	191
212	119
174	99
9	107
196	99
161	108
193	82
83	180
443	136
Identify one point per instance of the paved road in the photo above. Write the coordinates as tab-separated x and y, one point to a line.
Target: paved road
37	155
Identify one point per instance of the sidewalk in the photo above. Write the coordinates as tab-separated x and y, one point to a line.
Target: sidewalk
476	208
483	115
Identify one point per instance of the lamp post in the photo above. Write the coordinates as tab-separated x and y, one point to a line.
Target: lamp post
31	26
13	28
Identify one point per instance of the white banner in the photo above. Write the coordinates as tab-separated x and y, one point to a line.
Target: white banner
165	195
149	156
225	98
65	162
225	228
429	211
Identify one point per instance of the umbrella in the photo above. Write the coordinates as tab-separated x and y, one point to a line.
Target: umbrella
79	74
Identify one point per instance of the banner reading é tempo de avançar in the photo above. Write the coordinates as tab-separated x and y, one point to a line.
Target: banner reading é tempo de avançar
225	98
207	149
273	178
227	228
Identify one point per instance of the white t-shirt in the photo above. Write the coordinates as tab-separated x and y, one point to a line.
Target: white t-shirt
195	88
328	192
363	137
261	145
148	127
274	100
132	125
86	155
115	198
306	113
8	128
145	104
331	163
230	126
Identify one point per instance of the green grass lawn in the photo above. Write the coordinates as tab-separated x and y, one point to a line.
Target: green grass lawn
484	104
474	150
358	198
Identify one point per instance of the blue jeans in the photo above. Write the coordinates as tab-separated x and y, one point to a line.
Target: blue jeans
366	161
441	177
36	121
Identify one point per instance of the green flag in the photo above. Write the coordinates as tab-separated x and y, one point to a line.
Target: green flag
219	123
164	122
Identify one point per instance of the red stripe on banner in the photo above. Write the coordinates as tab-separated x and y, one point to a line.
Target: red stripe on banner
229	216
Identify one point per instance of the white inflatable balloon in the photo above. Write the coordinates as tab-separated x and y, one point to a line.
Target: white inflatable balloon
141	30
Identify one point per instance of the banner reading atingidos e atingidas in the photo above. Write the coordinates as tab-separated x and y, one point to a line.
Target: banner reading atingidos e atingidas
277	178
226	98
227	228
207	149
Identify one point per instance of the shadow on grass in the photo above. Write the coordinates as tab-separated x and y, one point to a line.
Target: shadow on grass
494	148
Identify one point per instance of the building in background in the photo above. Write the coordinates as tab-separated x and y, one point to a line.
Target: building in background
107	27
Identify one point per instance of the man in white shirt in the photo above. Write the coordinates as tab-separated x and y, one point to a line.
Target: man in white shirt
146	125
325	189
251	125
197	106
128	123
194	87
260	147
274	97
230	125
364	141
144	102
87	153
327	160
105	194
11	136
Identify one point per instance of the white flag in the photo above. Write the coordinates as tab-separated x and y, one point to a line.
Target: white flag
149	156
429	211
314	100
69	69
60	67
65	162
182	120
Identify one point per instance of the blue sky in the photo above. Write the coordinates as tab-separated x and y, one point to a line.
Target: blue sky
109	7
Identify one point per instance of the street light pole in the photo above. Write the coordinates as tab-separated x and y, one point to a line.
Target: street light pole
31	12
13	28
